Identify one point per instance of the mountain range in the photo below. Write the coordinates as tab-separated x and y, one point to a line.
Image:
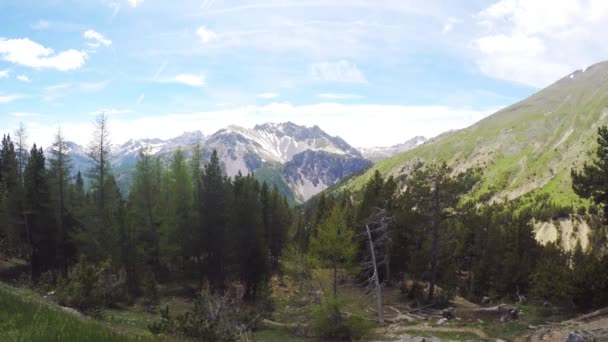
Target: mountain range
301	161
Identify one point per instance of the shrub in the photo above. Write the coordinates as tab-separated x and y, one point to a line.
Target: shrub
150	291
329	322
214	318
90	287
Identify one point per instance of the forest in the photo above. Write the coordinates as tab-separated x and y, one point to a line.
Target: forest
225	243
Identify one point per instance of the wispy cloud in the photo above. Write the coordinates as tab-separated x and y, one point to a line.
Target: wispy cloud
268	96
339	96
6	98
140	98
4	73
135	3
340	71
31	54
41	25
205	35
24	114
111	111
159	71
93	86
23	78
186	79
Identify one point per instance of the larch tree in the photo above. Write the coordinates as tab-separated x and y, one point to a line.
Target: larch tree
99	150
60	166
334	244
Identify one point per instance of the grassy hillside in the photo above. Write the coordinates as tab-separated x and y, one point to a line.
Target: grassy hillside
529	146
24	316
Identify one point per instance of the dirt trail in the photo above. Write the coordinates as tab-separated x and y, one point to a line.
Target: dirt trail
427	328
597	328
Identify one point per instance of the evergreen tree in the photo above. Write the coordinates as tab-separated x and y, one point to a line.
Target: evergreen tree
592	181
214	210
144	207
251	252
40	230
13	224
436	194
60	166
334	245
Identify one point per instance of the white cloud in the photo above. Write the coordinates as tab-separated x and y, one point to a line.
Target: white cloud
9	98
187	79
31	54
4	73
23	78
205	35
340	71
111	111
369	124
338	96
96	39
268	96
537	42
135	3
140	99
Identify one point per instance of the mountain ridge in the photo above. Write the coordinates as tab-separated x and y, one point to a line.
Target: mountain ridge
273	152
529	146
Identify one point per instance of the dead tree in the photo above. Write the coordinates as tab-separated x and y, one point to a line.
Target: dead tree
376	233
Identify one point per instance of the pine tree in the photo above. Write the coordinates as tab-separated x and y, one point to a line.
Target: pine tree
436	194
251	252
215	204
40	230
13	224
144	207
592	181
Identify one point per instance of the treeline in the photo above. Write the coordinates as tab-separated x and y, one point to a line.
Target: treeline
438	237
181	222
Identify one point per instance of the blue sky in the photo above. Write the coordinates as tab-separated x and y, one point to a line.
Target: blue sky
374	72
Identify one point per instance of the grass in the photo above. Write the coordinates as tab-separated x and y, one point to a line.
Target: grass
25	316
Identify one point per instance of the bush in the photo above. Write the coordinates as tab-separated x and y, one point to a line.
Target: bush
150	291
214	318
328	322
90	287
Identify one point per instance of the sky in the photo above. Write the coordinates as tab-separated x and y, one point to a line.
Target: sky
375	73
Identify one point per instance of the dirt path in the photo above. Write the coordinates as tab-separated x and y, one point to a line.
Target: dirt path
597	328
428	328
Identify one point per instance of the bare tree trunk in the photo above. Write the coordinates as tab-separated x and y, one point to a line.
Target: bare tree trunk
335	280
377	288
435	246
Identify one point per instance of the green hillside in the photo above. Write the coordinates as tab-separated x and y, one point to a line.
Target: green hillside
530	146
24	316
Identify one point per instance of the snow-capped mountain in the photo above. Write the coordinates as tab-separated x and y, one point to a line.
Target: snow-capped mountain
305	160
378	153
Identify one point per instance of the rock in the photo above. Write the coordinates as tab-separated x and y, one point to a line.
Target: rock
448	313
575	337
485	300
442	321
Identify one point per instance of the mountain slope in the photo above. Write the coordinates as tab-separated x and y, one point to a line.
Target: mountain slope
529	146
